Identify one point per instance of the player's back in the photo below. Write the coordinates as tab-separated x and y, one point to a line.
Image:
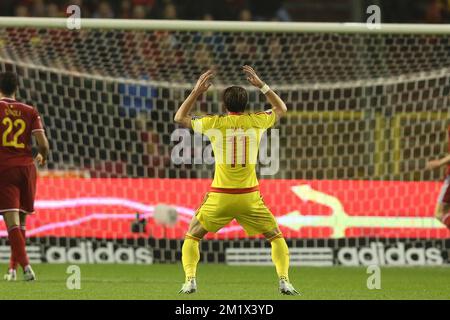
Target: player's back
18	121
235	139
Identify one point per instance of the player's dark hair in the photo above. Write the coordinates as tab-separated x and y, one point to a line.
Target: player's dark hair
235	99
8	83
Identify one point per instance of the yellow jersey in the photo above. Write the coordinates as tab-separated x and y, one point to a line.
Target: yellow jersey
235	140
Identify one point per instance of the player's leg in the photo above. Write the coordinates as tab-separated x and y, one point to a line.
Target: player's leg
12	261
13	264
9	209
442	211
22	218
210	217
17	242
190	249
258	219
280	253
27	195
190	255
280	257
10	220
23	224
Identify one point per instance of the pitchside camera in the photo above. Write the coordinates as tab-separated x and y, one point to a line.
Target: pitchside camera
138	225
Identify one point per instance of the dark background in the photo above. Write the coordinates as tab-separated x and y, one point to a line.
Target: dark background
398	11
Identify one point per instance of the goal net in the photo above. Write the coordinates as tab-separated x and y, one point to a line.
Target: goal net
367	109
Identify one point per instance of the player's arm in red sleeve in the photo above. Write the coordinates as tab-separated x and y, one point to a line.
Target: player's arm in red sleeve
43	147
434	164
38	132
183	116
278	105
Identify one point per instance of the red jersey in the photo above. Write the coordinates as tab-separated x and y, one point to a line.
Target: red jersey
18	121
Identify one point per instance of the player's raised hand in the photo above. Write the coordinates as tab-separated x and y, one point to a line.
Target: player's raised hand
41	160
204	82
252	77
433	164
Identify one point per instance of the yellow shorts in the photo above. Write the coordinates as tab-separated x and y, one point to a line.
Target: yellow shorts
249	210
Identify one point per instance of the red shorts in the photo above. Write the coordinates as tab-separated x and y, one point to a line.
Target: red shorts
17	189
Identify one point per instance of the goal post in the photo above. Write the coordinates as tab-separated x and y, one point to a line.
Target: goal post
367	109
227	26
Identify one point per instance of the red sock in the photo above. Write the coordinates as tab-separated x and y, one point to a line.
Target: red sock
12	261
17	243
23	231
446	220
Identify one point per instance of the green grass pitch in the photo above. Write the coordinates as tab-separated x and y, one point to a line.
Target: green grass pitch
228	283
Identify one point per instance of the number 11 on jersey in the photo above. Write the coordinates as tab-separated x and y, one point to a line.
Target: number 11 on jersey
237	146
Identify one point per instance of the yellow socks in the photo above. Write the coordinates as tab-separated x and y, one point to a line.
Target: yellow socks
190	256
280	256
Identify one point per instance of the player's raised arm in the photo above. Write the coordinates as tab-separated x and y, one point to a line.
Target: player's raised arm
278	105
43	147
183	116
434	164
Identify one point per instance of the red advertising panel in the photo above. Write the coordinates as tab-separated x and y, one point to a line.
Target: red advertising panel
106	208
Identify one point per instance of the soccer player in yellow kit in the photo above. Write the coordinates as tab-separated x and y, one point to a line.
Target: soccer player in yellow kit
234	193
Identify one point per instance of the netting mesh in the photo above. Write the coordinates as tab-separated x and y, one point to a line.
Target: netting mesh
361	106
283	58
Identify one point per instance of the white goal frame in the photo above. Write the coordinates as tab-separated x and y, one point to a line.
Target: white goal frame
228	26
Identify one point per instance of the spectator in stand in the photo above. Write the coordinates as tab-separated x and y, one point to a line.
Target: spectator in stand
208	17
38	9
399	11
269	10
53	11
125	9
245	15
170	11
224	9
139	12
144	9
437	11
196	10
104	11
21	11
